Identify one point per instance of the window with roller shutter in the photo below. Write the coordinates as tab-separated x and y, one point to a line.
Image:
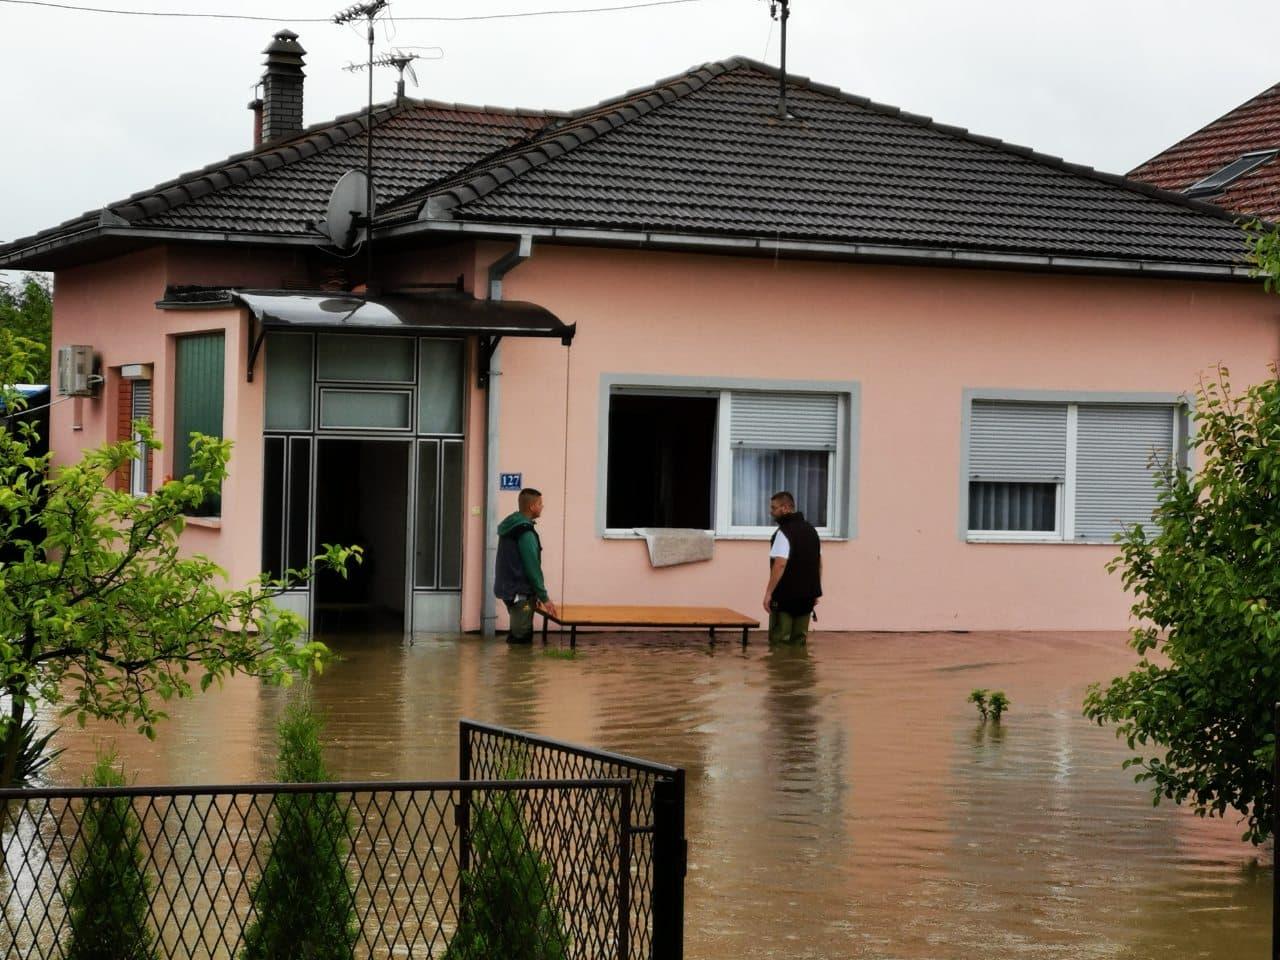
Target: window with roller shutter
1066	471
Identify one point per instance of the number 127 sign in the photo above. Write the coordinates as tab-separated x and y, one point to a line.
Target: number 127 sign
510	481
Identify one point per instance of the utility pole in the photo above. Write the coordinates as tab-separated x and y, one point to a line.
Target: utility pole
781	10
366	11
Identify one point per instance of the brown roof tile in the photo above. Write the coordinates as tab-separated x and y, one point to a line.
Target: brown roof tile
1254	125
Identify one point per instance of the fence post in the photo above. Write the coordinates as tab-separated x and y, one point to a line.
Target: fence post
1275	834
670	853
462	815
625	839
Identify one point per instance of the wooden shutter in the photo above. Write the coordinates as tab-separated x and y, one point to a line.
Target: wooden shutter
784	421
1119	447
1016	442
198	394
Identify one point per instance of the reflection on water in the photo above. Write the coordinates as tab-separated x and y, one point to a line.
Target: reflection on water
843	801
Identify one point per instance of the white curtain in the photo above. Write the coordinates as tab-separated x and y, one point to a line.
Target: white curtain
759	474
1013	506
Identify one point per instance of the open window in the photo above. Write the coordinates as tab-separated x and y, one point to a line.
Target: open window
711	459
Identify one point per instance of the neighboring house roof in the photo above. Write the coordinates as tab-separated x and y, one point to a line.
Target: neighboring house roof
699	154
1251	127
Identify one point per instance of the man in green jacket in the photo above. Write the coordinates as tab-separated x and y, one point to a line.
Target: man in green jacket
518	580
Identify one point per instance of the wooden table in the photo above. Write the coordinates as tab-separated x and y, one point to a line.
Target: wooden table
575	615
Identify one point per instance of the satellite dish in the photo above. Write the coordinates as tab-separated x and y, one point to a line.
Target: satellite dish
348	210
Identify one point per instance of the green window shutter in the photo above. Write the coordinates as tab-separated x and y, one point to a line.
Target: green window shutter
198	396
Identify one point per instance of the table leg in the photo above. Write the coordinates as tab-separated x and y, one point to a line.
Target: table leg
713	635
744	637
573	637
544	629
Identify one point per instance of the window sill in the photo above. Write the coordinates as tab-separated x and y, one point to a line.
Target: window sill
211	523
758	537
1042	541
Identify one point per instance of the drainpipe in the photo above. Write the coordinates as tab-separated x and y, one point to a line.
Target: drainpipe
489	605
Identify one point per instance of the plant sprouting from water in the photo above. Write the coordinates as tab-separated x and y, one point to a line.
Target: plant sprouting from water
991	704
997	703
560	653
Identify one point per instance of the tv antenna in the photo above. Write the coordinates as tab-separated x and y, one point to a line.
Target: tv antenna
401	60
780	10
369	13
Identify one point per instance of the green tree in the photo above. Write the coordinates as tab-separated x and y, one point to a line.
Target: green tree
26	310
507	907
304	904
110	892
100	612
1198	709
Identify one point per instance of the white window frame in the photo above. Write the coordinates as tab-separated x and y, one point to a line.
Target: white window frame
1066	493
841	474
139	482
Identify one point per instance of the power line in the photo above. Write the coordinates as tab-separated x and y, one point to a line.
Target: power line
259	19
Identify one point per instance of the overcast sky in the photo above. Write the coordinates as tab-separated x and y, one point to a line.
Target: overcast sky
96	107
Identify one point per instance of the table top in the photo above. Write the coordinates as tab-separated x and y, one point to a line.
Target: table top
603	615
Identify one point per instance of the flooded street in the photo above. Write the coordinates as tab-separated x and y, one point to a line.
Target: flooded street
843	800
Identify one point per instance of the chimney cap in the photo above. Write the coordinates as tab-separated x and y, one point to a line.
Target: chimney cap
285	41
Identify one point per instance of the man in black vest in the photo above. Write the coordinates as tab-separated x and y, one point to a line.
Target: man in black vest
795	572
517	580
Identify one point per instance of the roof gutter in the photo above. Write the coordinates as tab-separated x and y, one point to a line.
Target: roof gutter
489	359
861	252
16	258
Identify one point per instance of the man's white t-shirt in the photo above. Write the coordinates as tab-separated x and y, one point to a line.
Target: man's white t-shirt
781	546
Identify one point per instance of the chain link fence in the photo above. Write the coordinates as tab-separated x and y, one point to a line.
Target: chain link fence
658	848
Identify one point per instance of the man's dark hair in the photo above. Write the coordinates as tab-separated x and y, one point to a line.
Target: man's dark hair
527	496
785	498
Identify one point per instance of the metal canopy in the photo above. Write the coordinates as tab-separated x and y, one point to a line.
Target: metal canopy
447	313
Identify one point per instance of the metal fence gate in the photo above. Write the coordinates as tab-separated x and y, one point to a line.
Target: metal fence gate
597	841
658	848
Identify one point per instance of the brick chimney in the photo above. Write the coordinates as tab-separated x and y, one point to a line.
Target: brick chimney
282	87
255	105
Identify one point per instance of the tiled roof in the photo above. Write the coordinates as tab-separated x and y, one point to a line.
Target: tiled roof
1254	125
281	188
701	153
704	153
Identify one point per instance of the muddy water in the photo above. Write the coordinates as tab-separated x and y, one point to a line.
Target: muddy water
843	801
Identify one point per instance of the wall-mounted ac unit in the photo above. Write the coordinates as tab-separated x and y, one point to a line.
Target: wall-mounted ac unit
75	371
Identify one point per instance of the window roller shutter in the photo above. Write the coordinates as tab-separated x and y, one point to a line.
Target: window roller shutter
1115	482
1013	442
141	409
784	421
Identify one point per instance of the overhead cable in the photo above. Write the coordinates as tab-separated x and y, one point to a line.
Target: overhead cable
261	19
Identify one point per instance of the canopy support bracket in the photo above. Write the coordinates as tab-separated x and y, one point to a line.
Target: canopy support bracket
257	333
487	346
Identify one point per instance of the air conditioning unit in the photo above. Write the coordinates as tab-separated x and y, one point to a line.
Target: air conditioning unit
75	371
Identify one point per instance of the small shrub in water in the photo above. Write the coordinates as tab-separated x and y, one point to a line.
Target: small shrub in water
34	755
560	653
507	907
303	902
997	704
979	698
110	893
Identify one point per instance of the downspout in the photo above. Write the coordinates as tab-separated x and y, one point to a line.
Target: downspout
497	270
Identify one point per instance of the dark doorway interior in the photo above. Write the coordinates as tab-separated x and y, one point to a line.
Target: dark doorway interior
661	461
362	495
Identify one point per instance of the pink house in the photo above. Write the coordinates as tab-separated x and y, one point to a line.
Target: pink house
959	354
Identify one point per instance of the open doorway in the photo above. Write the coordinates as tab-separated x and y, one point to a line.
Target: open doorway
362	497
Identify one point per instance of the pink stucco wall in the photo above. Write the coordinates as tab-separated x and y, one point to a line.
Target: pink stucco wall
914	338
111	306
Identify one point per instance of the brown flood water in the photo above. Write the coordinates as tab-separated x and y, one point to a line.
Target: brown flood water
843	801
